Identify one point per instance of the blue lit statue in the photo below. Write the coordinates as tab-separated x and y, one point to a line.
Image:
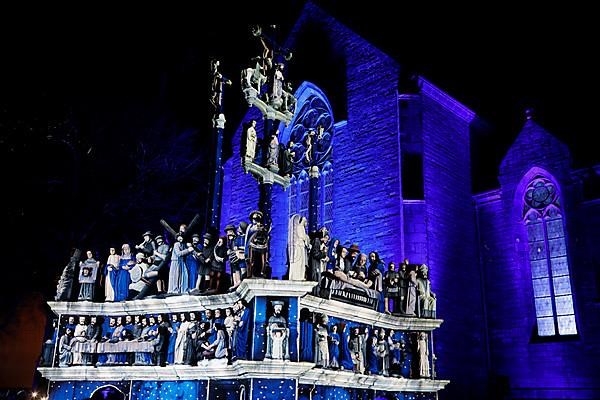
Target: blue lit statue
243	325
178	273
322	342
346	361
278	334
110	272
173	338
427	300
334	348
88	271
126	262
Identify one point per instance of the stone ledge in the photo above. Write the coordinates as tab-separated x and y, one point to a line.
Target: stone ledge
366	316
186	303
267	369
325	377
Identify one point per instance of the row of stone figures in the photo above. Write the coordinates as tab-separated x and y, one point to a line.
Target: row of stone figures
267	151
192	338
183	338
264	79
370	351
274	155
320	258
197	267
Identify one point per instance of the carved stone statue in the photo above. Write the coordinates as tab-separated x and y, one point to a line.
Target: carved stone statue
298	245
427	300
273	152
357	347
249	141
286	159
322	342
65	283
391	286
88	271
258	251
423	351
278	334
289	101
110	281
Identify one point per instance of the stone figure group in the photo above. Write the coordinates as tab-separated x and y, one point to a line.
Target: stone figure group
163	339
267	151
368	350
317	257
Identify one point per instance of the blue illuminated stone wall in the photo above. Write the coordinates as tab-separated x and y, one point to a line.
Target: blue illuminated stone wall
306	392
451	243
522	364
415	232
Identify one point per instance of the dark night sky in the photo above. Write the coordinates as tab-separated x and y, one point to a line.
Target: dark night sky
123	98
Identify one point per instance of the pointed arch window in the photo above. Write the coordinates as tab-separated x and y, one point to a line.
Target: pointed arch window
326	197
544	221
303	189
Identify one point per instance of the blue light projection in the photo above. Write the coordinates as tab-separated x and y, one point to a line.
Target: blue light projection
166	390
76	390
307	392
238	389
273	389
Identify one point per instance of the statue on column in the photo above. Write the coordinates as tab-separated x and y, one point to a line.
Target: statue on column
286	159
88	271
217	82
248	143
298	246
273	152
278	334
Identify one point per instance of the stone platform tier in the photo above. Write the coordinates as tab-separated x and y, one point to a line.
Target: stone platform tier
248	290
303	372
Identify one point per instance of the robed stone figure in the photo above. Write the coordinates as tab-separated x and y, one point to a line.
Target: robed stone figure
298	245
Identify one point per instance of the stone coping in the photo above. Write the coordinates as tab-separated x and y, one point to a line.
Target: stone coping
266	369
249	289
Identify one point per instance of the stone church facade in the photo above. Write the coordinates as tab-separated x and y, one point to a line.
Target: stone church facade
515	270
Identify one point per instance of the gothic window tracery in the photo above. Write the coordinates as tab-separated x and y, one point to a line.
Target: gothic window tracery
543	219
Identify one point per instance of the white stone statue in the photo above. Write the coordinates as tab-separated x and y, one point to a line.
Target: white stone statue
250	144
427	300
423	350
298	245
278	334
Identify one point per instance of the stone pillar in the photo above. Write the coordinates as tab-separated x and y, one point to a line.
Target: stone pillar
215	211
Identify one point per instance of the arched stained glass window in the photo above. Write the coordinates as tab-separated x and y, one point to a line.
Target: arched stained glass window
293	204
326	191
543	219
303	193
311	131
